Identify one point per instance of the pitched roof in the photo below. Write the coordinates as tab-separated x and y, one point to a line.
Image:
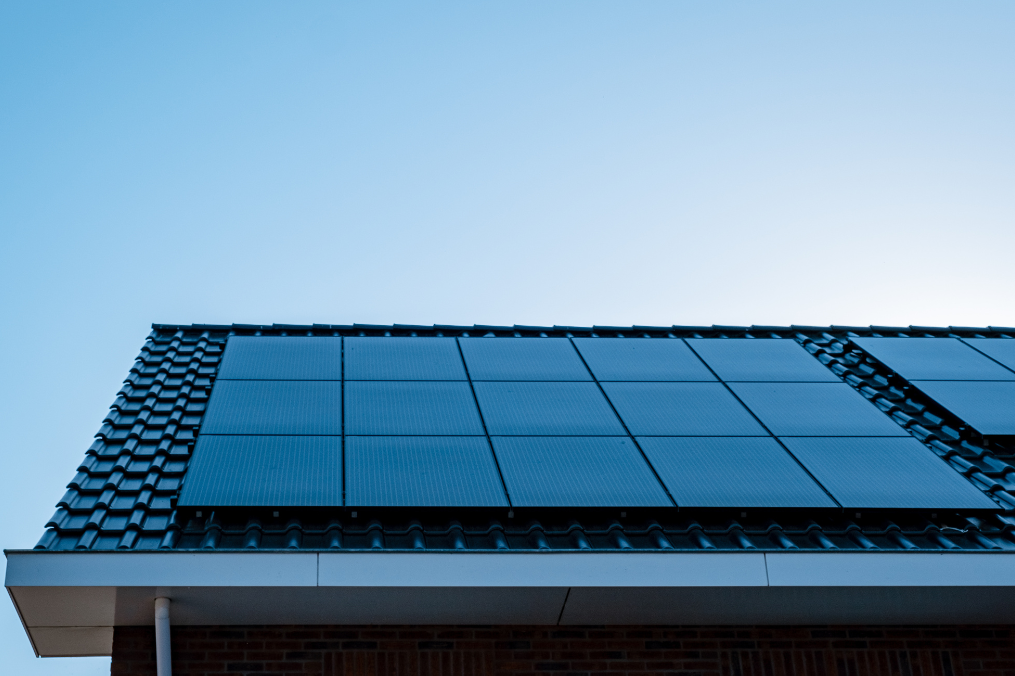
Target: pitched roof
125	494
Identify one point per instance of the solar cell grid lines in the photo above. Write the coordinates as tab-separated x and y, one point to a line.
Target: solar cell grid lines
681	409
577	472
732	472
418	433
403	359
395	408
422	472
541	408
533	359
871	473
761	359
282	358
933	359
645	359
987	407
1001	350
265	471
274	407
815	409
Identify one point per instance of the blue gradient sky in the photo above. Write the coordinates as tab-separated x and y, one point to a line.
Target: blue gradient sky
532	163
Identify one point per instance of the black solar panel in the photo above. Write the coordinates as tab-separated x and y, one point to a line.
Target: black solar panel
732	472
761	359
522	359
409	408
815	409
886	473
403	359
987	407
577	471
998	349
274	407
532	409
681	409
282	358
642	359
422	472
933	359
265	471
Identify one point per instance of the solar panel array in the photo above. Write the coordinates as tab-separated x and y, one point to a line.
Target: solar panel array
973	378
552	422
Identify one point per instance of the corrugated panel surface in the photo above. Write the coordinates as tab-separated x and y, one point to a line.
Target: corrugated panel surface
988	407
522	359
645	359
265	471
278	358
533	409
885	473
577	472
732	472
422	472
274	407
681	409
403	359
814	409
933	359
409	408
763	359
998	349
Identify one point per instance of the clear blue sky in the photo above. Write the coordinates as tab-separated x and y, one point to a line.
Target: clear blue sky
525	162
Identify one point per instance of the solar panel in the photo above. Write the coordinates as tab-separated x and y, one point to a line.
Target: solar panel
681	409
987	407
264	471
642	359
732	472
422	472
761	359
577	472
998	349
281	358
532	409
933	359
409	408
815	409
403	359
522	359
886	473
274	407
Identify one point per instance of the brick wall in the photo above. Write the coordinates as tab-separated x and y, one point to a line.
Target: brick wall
575	651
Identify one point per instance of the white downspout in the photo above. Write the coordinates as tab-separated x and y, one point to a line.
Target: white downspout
163	660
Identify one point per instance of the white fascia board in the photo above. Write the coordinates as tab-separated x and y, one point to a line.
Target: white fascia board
137	569
891	569
543	569
509	569
60	595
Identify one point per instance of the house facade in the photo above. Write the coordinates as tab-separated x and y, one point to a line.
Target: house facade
457	500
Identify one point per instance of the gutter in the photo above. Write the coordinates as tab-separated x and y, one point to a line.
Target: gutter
69	602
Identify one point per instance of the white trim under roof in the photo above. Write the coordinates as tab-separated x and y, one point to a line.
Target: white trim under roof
69	602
